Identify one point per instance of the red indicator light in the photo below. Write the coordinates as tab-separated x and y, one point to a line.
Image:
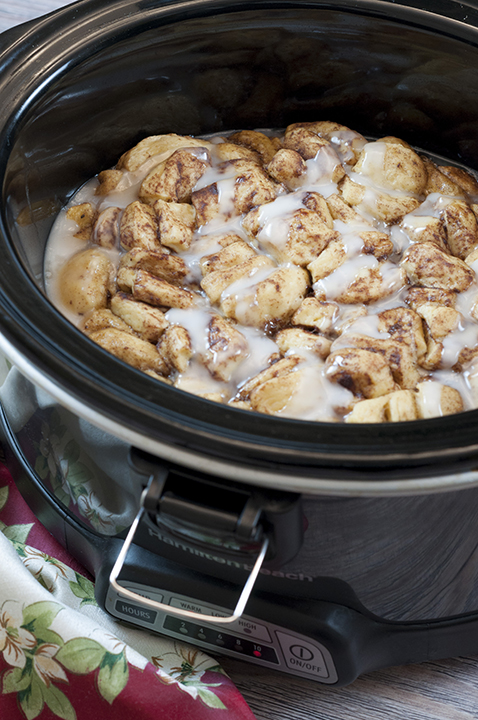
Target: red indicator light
257	653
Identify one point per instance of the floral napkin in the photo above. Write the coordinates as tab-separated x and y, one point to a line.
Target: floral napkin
61	656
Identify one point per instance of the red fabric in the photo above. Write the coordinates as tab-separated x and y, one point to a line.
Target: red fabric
138	701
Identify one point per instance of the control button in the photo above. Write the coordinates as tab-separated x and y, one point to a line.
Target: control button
252	629
243	626
301	652
190	606
302	656
183	630
135	612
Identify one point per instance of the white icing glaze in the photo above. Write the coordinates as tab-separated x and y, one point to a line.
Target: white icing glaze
196	322
337	282
430	399
200	247
318	175
465	335
315	398
432	206
368	325
199	381
343	142
372	165
260	348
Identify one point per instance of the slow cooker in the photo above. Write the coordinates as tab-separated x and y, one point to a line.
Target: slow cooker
320	550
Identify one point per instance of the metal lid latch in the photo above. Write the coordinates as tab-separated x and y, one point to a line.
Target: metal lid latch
148	502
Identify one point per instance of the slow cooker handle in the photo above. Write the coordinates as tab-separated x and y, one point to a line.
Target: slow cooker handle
189	614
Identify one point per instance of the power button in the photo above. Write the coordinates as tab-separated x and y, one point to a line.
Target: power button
302	656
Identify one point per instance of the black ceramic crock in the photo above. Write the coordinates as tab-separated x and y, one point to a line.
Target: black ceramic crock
389	509
82	86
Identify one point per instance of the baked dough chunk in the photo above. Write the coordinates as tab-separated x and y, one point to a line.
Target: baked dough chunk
300	240
400	357
399	180
426	265
316	314
108	181
294	339
287	166
157	145
363	279
175	179
279	369
85	281
231	256
270	303
147	321
151	289
226	348
366	374
175	348
217	281
394	407
160	263
84	215
309	137
139	227
131	349
425	229
106	229
104	318
265	146
461	228
175	224
439	182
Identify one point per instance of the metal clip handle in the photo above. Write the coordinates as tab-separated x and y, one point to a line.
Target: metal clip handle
241	603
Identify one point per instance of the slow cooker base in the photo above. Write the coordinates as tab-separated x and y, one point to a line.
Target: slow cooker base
321	632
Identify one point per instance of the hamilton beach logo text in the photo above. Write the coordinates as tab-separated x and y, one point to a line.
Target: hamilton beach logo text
224	561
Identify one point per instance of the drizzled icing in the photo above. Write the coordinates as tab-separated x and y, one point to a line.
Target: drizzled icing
315	396
319	173
274	219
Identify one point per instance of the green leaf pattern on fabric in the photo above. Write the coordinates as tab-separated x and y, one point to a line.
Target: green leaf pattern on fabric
16	680
187	674
40	615
209	698
31	699
58	702
83	589
81	655
113	675
17	533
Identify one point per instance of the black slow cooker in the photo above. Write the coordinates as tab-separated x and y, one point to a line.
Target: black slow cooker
321	550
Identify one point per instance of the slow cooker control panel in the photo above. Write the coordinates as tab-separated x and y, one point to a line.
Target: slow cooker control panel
254	640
